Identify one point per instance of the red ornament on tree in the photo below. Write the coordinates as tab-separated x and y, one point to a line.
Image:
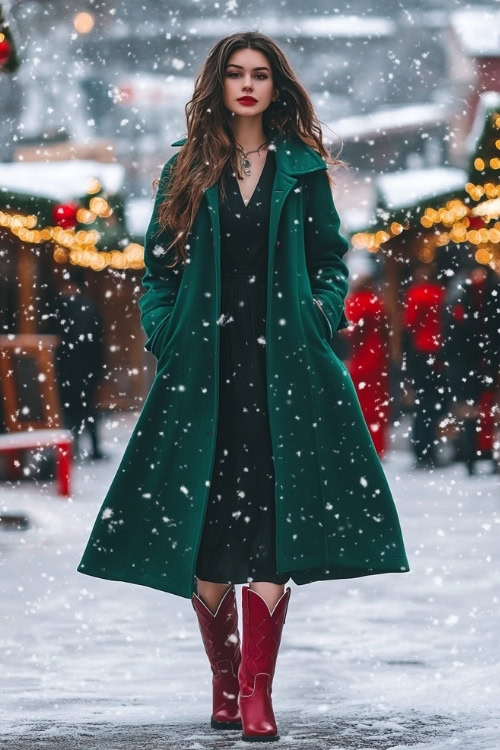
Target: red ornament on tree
64	214
5	52
476	222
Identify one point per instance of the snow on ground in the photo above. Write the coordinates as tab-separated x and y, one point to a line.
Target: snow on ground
388	661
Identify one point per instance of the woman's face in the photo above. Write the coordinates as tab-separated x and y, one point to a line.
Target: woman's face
248	74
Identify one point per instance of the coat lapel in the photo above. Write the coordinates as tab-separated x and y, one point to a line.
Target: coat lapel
292	158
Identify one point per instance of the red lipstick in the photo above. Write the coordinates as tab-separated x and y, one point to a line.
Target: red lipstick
247	100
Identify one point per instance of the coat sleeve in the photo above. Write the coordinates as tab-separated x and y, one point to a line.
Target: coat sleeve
161	284
325	247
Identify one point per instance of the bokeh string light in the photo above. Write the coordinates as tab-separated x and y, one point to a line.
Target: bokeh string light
455	222
76	247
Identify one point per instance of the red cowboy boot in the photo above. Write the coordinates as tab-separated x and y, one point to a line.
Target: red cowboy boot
261	641
221	639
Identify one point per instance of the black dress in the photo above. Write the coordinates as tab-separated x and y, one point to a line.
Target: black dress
238	539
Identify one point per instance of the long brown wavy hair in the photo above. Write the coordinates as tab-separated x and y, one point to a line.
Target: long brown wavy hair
210	152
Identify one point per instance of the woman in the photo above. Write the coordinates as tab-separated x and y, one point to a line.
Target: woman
251	461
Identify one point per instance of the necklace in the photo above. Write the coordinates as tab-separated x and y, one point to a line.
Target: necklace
245	162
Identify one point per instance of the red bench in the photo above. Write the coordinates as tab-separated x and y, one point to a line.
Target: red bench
61	440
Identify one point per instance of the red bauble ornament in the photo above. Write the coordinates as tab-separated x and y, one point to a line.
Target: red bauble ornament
476	222
64	214
5	51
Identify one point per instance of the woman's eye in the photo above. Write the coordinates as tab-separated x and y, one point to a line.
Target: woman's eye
259	75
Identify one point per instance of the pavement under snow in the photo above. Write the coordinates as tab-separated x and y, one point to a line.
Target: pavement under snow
388	661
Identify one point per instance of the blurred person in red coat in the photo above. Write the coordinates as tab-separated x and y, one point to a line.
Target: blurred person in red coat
368	359
423	344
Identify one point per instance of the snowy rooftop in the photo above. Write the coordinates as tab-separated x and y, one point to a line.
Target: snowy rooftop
137	215
408	187
59	180
478	30
389	119
278	26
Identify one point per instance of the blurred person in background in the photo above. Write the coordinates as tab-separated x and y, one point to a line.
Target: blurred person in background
473	359
423	345
75	318
368	360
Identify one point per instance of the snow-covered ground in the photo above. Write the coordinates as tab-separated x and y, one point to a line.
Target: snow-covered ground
389	661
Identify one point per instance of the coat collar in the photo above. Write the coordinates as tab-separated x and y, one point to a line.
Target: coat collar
293	157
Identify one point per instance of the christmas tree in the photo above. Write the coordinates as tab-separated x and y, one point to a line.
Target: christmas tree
9	59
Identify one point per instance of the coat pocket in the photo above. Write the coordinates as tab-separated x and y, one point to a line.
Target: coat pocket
326	327
157	341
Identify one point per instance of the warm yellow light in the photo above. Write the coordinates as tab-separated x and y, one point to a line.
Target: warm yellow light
458	233
117	259
60	254
482	255
479	164
97	262
93	236
477	193
98	205
358	240
443	239
83	23
426	254
448	218
79	247
16	222
93	186
382	236
495	163
84	216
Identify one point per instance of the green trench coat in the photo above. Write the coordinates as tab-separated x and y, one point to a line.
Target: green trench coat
335	516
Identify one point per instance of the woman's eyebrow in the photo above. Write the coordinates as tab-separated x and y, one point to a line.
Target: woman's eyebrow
233	65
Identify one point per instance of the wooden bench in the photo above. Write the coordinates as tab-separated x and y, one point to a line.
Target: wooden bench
61	440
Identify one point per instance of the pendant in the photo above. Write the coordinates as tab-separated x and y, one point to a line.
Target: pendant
245	161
